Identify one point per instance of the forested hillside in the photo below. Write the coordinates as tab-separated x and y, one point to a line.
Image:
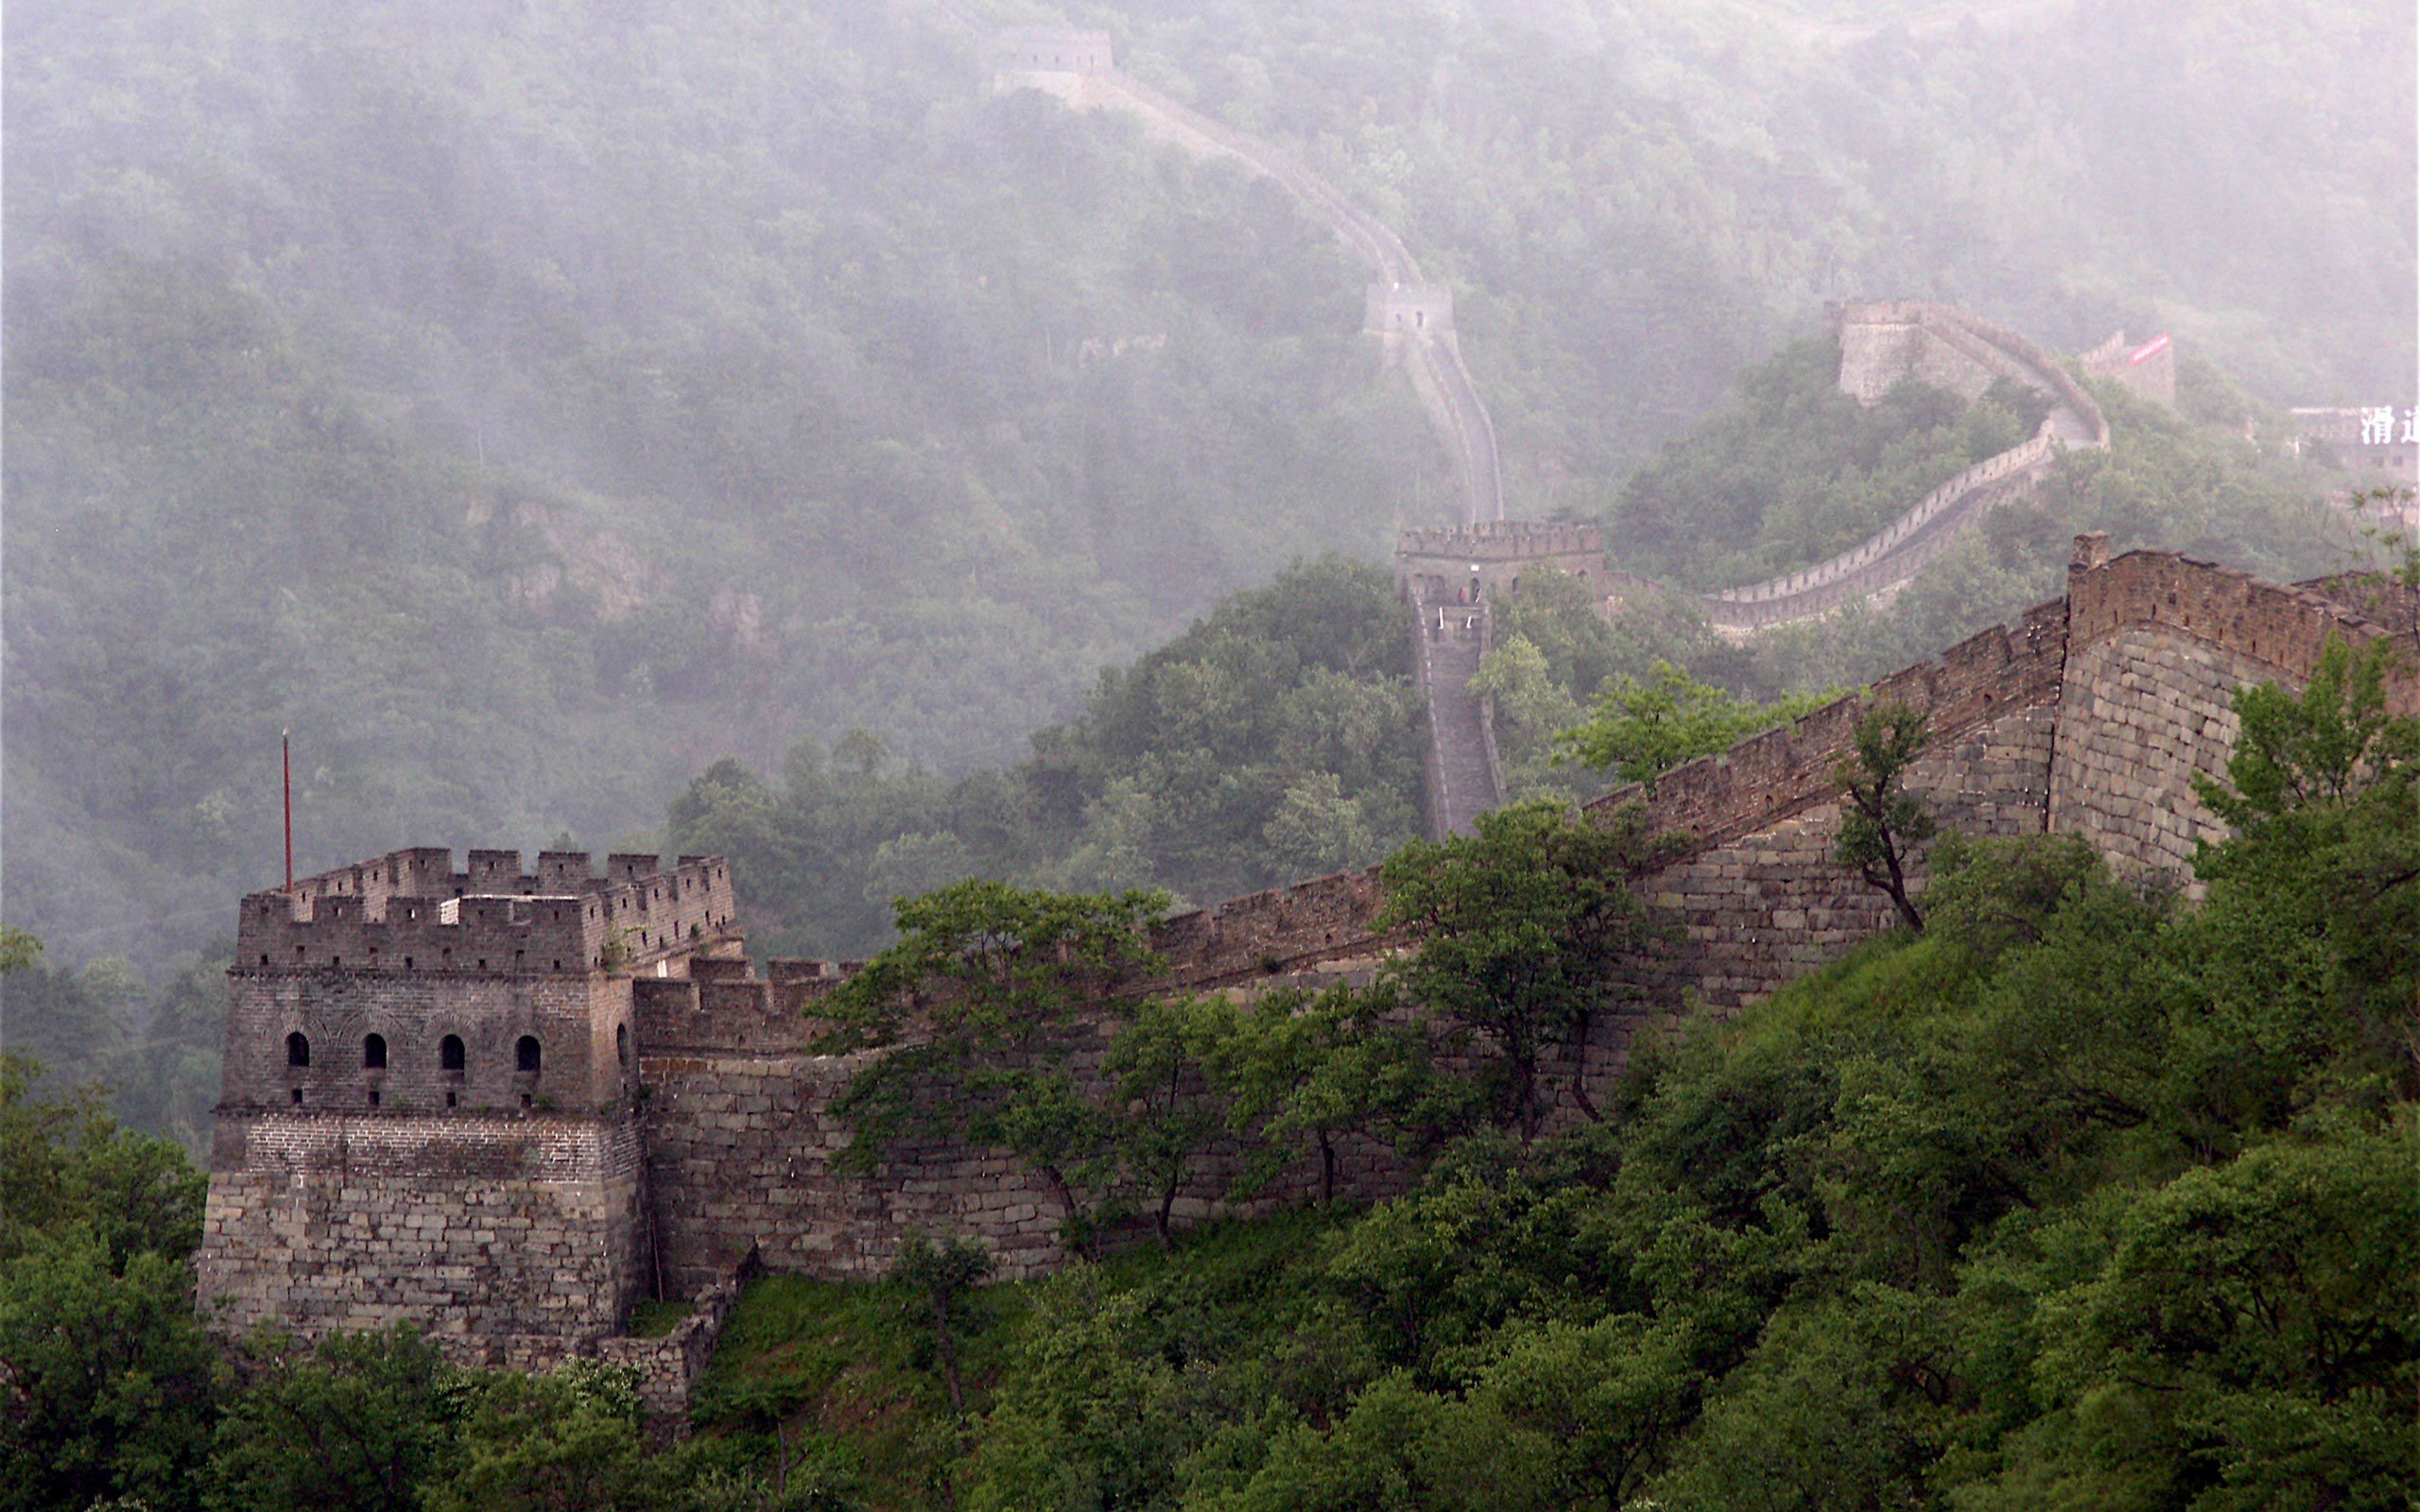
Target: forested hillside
2078	1195
1276	739
530	404
1635	197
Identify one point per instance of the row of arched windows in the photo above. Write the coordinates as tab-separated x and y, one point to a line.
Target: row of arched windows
450	1053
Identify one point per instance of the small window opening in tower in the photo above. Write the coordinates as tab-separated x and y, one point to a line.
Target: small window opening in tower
297	1096
373	1097
449	1052
373	1053
297	1050
451	1099
525	1053
622	1044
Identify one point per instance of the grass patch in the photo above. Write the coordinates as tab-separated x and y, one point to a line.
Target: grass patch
653	1319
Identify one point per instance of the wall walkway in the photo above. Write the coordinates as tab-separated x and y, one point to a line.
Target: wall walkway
1464	775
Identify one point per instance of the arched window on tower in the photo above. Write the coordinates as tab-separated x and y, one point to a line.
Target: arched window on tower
449	1052
373	1053
297	1050
524	1054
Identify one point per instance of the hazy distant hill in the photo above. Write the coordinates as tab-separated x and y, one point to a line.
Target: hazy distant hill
532	402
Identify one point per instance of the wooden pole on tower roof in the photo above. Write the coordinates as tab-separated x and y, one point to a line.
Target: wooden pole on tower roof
285	751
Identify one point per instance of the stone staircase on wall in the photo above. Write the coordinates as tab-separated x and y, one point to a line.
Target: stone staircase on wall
1464	779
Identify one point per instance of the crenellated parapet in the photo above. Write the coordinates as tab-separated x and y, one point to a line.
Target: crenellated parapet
411	911
1436	564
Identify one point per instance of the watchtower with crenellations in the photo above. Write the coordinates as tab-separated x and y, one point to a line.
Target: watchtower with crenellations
430	1095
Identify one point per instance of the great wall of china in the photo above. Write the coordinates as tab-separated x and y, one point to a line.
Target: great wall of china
1881	343
506	1103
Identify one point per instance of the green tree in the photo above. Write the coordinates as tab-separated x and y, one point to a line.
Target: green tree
2254	1339
1298	1067
564	1442
357	1421
63	1159
1883	827
977	1012
942	1279
1640	730
1521	928
1168	1109
1599	1401
109	1376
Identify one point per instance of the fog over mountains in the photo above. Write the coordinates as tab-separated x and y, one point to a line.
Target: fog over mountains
530	403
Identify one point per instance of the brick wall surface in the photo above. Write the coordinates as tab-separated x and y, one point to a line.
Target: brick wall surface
475	1229
2161	644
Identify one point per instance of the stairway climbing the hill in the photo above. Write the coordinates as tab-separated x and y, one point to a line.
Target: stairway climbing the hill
1463	777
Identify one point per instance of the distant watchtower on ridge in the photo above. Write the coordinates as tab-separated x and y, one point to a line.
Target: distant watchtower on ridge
429	1100
1055	60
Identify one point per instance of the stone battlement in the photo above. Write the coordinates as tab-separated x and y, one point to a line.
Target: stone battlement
410	911
1435	563
1051	50
1399	309
1500	541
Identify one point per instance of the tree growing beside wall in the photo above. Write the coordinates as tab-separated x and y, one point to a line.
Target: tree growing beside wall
983	1012
1883	827
1297	1070
1523	927
1641	730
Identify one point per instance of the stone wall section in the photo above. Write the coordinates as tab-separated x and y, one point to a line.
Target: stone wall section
667	1368
524	1234
2146	711
1751	914
2161	644
744	1157
475	1229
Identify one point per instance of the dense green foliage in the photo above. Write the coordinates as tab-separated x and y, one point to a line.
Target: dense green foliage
155	1050
1276	738
983	1003
1640	730
2080	1197
1522	927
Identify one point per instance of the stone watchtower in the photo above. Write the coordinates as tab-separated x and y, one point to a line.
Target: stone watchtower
429	1102
1058	61
1434	563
